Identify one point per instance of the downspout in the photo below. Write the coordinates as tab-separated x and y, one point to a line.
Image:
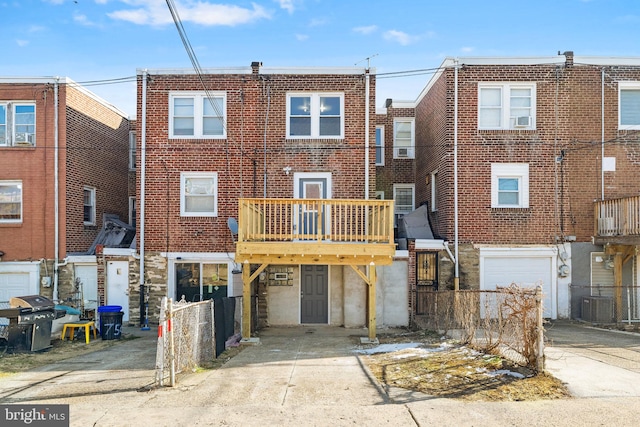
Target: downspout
602	136
143	154
56	178
456	277
367	95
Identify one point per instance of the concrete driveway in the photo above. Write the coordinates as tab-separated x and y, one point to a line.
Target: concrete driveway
297	376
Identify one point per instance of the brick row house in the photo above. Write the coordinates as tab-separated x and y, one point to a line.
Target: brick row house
259	183
63	169
528	168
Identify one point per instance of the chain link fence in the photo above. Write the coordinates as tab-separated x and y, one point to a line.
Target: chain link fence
506	321
186	338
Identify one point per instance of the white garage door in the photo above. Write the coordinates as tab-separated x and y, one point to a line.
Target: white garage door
524	271
14	285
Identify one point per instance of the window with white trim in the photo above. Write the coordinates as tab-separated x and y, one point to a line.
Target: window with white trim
403	138
510	185
197	115
89	209
629	105
10	201
379	145
315	115
404	199
17	124
132	150
507	106
199	194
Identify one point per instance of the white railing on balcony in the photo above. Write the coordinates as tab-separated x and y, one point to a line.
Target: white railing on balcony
321	220
617	217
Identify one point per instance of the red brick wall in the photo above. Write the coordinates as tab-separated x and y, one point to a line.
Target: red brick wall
394	171
239	159
33	238
561	194
97	155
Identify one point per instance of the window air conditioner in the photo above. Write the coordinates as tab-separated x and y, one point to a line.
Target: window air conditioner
22	137
523	121
403	152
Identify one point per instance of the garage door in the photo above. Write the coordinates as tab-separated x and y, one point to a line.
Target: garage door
13	285
528	271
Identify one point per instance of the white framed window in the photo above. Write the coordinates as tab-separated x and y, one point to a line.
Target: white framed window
629	105
403	138
10	201
17	124
315	115
132	211
89	210
379	195
434	191
198	194
507	106
404	200
132	150
379	145
197	115
510	185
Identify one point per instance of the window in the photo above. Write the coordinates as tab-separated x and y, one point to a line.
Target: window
629	105
379	195
510	185
132	211
434	191
132	150
507	106
379	145
315	115
198	194
194	115
10	201
199	281
89	217
404	199
403	138
17	124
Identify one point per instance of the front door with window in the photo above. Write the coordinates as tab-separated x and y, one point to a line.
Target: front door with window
310	221
314	294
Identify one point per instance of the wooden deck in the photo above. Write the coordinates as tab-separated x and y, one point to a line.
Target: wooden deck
617	221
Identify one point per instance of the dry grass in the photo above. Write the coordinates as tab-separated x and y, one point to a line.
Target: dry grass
444	369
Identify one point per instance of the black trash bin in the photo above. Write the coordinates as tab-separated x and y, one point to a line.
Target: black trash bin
110	322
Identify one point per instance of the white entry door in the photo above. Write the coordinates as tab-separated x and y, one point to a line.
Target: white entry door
118	286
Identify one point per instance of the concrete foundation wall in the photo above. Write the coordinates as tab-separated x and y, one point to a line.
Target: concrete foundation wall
392	294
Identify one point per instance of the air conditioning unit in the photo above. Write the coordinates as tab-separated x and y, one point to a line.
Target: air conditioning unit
403	152
523	121
22	138
597	309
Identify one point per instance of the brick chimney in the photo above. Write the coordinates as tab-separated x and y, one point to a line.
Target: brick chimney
569	58
255	67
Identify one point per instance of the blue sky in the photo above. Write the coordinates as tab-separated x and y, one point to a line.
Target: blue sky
94	40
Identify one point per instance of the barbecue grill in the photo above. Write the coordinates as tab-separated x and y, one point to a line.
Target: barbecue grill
30	320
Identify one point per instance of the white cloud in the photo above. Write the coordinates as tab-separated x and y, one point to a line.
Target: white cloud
366	29
301	37
316	22
35	28
286	5
467	49
22	43
399	37
154	12
83	20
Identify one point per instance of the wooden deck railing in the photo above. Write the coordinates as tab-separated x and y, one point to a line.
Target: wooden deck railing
617	217
322	220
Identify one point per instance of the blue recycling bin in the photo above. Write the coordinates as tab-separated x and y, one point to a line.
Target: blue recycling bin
110	322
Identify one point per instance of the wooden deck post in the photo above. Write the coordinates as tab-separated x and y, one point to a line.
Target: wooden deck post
372	301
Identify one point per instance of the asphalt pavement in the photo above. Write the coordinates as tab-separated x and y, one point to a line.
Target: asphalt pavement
312	376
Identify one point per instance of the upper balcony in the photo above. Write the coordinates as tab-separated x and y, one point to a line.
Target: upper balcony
315	231
617	221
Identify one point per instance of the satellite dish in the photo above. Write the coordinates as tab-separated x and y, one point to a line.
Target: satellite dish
233	225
